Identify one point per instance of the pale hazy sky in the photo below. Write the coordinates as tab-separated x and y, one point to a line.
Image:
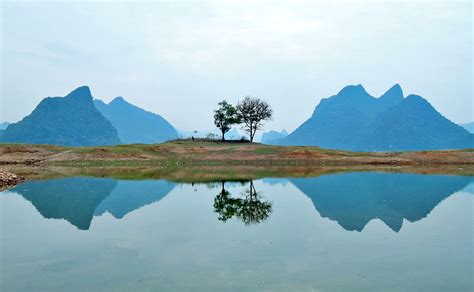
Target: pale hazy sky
179	58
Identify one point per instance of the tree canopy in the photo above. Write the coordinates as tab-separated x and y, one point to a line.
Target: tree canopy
253	112
225	116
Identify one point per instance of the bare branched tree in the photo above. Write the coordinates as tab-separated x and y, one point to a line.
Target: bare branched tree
253	112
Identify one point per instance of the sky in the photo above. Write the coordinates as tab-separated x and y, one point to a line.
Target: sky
180	58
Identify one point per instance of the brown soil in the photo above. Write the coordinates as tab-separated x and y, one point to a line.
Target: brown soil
181	159
8	179
198	152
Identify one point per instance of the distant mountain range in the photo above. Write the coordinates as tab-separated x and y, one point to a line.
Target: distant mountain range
233	134
469	127
355	120
135	125
350	120
78	120
4	125
72	120
273	135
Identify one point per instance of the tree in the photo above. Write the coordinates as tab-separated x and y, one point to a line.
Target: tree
253	111
225	116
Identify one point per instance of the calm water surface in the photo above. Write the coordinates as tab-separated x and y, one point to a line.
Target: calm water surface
340	232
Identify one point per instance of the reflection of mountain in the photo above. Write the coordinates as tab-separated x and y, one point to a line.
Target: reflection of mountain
353	199
469	188
275	181
73	199
77	200
130	195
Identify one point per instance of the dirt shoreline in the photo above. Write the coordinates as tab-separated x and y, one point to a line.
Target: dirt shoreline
9	179
203	153
202	160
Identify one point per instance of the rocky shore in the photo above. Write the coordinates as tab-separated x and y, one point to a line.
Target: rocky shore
8	179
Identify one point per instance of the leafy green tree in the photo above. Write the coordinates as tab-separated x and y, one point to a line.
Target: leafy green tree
225	116
253	112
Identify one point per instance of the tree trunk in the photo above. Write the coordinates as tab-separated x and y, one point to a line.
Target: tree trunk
223	138
252	190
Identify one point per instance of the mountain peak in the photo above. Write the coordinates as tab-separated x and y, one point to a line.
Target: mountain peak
417	102
118	98
134	124
70	121
354	90
80	92
353	120
416	98
98	102
395	92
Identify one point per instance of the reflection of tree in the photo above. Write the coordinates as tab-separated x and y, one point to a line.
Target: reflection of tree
253	210
225	205
249	209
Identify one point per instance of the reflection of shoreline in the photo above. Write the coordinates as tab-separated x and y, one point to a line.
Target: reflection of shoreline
228	173
354	199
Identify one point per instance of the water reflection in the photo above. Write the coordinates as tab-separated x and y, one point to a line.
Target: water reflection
78	200
129	195
350	199
354	199
178	243
250	208
72	199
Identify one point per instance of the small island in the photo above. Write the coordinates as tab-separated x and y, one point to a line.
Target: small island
203	159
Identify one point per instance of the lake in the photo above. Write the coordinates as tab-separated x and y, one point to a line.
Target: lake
361	231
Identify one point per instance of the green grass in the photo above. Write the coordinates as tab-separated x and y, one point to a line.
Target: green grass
185	153
206	161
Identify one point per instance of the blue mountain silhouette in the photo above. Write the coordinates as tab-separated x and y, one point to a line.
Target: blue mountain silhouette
135	125
72	120
273	135
355	120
